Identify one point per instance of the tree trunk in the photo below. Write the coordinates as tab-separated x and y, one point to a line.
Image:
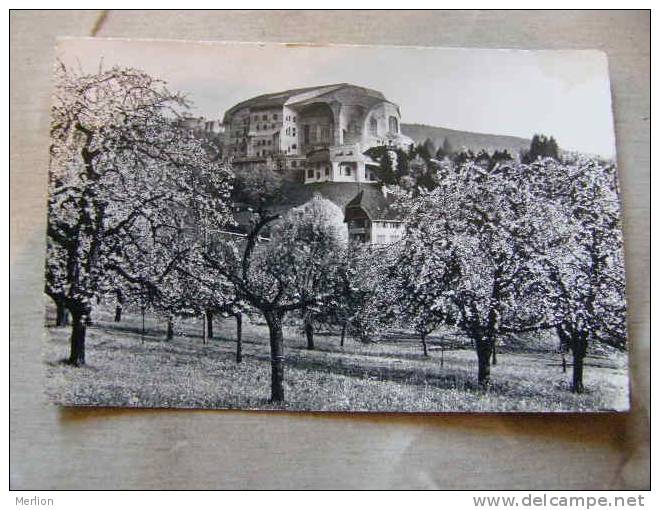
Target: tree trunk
309	331
343	333
62	317
484	352
578	365
120	305
563	362
77	355
579	352
494	359
204	332
239	337
170	328
209	323
142	332
426	351
274	320
442	353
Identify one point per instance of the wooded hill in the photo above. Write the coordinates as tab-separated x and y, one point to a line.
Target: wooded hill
458	139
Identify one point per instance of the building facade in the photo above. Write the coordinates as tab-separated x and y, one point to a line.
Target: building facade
371	219
316	134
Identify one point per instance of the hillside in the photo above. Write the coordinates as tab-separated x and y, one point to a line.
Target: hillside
458	139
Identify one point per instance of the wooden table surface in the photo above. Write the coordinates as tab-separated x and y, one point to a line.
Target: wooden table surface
54	448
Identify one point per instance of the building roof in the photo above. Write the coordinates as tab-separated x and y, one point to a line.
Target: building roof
375	204
297	193
279	99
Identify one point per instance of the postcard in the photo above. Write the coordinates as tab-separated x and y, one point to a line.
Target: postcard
333	228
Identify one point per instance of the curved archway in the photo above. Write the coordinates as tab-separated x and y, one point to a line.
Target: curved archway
317	126
373	126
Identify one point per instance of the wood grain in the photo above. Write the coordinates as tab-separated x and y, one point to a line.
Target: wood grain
94	448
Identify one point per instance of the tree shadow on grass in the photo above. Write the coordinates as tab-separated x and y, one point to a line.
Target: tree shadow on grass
154	333
438	378
412	376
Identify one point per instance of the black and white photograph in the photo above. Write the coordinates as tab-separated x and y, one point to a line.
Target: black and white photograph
350	228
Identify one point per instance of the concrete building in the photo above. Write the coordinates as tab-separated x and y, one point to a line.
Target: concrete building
315	134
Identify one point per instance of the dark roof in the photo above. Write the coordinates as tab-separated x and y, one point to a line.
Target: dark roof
377	206
297	193
278	99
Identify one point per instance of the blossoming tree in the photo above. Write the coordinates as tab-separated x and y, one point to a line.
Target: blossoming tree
120	166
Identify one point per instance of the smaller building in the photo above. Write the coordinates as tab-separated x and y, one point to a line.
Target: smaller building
371	219
201	126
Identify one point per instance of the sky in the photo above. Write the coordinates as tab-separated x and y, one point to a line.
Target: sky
565	94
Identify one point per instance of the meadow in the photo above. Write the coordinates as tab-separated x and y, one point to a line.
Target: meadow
125	368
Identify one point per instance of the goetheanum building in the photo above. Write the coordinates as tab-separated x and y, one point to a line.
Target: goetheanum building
315	134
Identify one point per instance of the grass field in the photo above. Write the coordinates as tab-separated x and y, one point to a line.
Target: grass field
391	375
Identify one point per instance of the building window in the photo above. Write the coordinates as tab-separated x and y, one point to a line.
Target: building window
275	116
310	173
294	119
373	126
327	171
264	117
294	146
294	132
393	124
294	164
